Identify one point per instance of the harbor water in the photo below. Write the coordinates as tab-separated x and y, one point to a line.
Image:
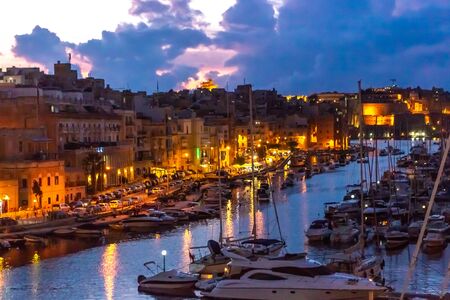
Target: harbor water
108	268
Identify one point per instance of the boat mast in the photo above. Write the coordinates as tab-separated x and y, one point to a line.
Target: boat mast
413	262
361	165
250	98
220	199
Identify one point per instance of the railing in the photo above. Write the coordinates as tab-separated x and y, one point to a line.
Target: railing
75	146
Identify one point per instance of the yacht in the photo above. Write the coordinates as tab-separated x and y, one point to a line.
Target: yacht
164	218
290	277
141	222
344	233
319	230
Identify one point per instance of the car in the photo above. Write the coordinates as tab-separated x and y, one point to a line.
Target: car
79	211
93	209
125	202
76	203
61	207
157	190
104	206
6	221
114	204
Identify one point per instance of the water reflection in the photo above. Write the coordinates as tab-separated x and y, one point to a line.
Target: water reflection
229	228
187	243
109	269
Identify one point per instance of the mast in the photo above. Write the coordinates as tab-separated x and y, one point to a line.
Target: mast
412	265
361	165
220	200
253	160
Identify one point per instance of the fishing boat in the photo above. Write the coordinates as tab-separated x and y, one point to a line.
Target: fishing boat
319	230
34	239
396	239
290	277
64	232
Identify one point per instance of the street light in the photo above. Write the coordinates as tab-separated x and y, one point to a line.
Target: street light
164	253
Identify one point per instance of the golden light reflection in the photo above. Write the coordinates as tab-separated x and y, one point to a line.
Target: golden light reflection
157	236
35	259
187	243
260	223
2	279
109	269
251	206
229	220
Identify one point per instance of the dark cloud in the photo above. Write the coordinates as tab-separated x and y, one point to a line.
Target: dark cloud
41	46
311	45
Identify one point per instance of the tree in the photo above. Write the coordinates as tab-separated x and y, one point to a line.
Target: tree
37	192
93	165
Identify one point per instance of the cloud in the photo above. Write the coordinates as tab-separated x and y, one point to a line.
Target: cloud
295	46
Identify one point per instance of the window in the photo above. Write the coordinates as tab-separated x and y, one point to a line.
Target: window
48	180
40	181
56	181
49	200
20	146
24	183
57	198
265	276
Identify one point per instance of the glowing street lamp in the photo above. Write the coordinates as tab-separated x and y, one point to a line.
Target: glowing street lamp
164	253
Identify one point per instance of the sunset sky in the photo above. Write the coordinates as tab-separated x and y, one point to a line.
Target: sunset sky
294	46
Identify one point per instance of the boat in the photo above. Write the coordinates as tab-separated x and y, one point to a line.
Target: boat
34	239
433	243
396	239
170	283
165	219
117	226
383	152
64	232
414	229
290	277
213	263
141	222
88	231
344	233
15	242
319	230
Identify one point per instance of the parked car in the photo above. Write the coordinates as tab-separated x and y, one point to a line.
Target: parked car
93	209
104	206
157	190
79	211
61	207
114	204
75	204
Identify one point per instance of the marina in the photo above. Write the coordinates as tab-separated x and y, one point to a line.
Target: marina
112	259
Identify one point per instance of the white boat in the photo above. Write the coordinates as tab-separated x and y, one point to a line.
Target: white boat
396	239
172	283
319	230
141	222
162	216
344	233
213	263
290	278
34	239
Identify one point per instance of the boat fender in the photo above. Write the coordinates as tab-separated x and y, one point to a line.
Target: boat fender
140	278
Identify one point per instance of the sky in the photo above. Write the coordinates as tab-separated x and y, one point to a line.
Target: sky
294	46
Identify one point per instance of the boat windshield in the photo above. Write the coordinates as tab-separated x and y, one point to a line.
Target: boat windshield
309	272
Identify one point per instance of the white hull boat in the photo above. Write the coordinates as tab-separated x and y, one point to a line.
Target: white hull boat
173	283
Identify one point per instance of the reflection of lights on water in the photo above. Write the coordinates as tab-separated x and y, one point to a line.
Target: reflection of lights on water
109	269
157	236
35	259
229	220
187	243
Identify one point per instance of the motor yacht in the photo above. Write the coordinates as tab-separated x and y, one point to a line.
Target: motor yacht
164	218
141	222
290	277
319	230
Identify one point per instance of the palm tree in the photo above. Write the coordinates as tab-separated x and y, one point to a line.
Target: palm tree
37	192
93	165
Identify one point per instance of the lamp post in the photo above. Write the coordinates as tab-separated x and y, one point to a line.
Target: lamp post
164	253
